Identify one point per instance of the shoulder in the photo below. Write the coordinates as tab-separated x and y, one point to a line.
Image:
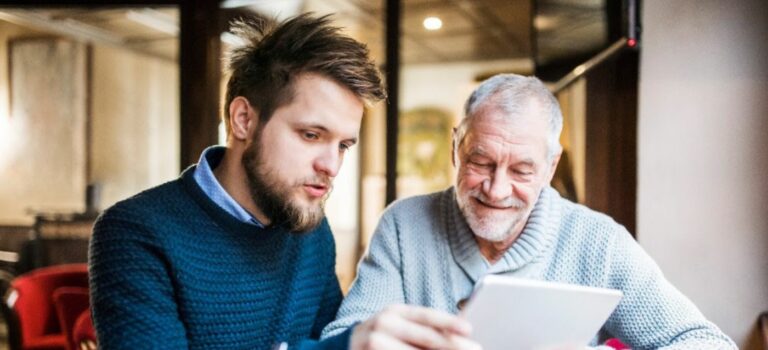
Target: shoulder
132	232
414	221
578	217
587	231
146	208
150	199
426	204
591	245
418	214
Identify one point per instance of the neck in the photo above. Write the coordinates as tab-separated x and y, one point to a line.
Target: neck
493	251
231	175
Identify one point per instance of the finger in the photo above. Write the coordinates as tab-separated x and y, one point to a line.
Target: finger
462	343
413	333
436	319
383	341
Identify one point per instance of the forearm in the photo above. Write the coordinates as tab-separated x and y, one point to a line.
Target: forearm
367	297
378	283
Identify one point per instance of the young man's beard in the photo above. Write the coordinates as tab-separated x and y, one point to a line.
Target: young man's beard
273	195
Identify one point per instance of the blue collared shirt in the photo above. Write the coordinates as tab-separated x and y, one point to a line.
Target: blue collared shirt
210	185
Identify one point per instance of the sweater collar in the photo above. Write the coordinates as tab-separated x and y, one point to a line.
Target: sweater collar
206	180
222	217
537	237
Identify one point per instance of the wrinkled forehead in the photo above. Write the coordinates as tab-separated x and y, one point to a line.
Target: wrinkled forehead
528	118
505	106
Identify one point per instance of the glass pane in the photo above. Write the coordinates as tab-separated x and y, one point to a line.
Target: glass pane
448	47
115	87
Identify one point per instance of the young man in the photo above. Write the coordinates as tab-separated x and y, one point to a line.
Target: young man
236	253
502	217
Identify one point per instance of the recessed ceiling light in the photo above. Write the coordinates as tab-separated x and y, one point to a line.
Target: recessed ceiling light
544	23
433	23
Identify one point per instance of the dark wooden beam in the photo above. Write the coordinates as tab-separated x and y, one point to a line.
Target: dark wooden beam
611	129
611	133
392	75
200	75
763	328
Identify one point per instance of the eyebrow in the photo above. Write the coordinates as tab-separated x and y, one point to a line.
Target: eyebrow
478	151
528	162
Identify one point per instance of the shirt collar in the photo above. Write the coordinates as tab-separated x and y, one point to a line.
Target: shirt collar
203	175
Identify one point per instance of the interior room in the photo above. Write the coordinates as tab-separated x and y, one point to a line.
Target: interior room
664	106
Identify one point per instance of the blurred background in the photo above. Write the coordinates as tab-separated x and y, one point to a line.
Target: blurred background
665	105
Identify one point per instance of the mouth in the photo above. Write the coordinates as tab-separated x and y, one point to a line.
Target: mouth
491	205
316	190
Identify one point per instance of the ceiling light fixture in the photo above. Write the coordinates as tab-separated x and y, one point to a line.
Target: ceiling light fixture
433	23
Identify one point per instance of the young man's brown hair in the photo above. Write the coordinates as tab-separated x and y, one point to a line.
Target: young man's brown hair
264	68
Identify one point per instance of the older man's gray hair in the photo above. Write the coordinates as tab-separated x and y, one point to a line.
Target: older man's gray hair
512	94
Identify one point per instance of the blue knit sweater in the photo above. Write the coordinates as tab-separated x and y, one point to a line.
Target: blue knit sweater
424	253
170	269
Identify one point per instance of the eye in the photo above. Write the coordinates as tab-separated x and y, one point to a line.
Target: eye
522	172
344	146
310	135
480	164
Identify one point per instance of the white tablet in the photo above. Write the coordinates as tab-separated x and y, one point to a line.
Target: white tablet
513	313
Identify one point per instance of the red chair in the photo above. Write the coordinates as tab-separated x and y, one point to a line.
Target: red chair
34	323
84	333
616	344
70	303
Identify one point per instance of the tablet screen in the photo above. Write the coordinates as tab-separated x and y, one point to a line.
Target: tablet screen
513	313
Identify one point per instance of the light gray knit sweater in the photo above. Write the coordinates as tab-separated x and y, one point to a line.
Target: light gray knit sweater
424	253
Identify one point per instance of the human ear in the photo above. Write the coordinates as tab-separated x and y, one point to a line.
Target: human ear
453	148
553	165
242	118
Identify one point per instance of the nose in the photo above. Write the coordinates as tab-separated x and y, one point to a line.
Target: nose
498	186
328	162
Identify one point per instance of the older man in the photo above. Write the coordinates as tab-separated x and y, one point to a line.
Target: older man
501	217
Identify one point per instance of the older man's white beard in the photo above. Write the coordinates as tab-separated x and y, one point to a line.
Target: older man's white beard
493	227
